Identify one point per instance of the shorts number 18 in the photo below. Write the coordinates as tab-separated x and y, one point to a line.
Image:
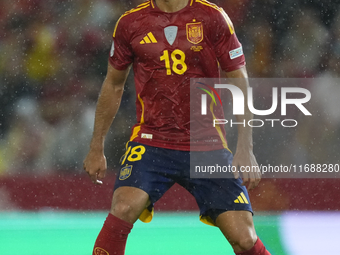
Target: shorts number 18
135	153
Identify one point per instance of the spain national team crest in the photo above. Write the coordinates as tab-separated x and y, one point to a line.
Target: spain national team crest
125	172
195	32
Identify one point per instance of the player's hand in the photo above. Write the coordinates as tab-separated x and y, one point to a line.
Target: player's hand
245	162
95	165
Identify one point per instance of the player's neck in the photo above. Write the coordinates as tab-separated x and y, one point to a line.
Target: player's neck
171	5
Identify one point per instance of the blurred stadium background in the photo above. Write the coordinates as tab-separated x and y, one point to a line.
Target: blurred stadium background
53	60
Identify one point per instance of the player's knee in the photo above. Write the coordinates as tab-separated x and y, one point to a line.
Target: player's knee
128	203
244	243
247	243
124	211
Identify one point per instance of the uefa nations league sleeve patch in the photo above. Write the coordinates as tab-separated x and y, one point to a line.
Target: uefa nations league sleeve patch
236	53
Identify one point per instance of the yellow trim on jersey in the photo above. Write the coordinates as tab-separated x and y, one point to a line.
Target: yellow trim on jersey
137	129
114	31
153	6
228	20
208	4
192	1
138	8
142	4
135	133
142	103
219	131
226	17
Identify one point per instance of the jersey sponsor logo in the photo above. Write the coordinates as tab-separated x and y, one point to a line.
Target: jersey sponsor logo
171	34
146	136
112	49
125	172
100	251
195	32
236	53
241	199
149	38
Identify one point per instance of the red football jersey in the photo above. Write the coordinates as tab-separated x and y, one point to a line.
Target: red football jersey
166	50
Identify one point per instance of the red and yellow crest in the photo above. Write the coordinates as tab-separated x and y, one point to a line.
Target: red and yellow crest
195	32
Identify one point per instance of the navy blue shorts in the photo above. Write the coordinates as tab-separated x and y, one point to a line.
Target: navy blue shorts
154	170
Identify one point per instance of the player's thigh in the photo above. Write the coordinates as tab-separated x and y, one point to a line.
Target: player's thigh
144	176
217	195
146	168
129	202
238	228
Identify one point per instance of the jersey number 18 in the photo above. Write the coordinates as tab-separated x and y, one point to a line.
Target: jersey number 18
178	62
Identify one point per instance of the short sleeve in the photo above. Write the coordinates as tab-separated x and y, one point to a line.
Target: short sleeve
227	47
121	54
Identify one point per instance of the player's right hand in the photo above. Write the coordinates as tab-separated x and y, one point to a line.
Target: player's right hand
95	165
246	158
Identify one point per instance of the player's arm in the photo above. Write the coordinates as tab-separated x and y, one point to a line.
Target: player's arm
107	107
244	151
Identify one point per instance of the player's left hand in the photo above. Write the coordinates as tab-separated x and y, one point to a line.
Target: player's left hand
245	162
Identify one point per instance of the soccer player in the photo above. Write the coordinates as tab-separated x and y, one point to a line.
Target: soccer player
168	42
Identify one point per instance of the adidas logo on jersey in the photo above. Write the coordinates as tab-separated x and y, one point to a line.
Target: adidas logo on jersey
148	39
241	199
